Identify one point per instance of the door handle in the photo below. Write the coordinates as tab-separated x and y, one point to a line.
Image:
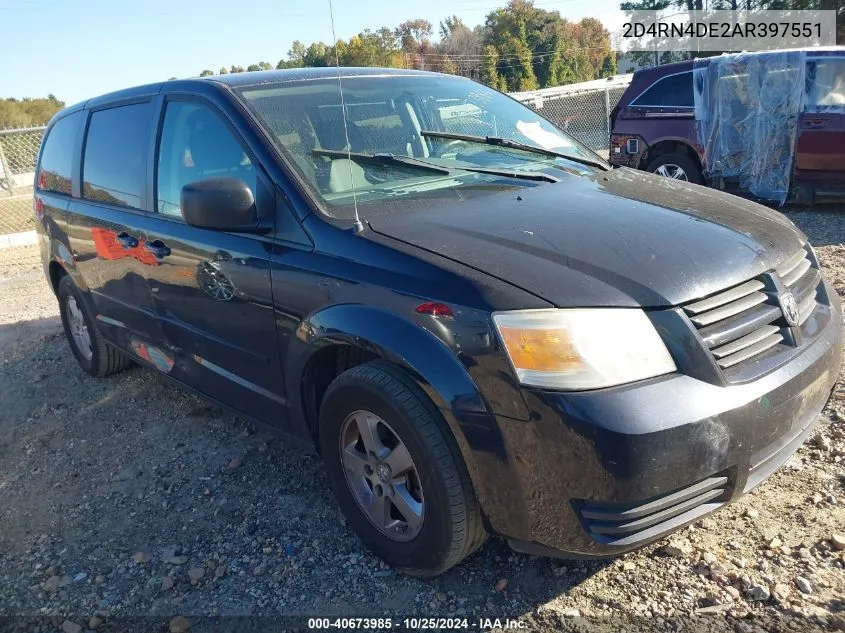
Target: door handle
157	248
126	240
815	124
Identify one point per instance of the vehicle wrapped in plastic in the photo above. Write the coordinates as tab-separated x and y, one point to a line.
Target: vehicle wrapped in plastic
746	109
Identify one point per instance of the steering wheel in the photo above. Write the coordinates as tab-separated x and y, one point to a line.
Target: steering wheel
451	146
376	175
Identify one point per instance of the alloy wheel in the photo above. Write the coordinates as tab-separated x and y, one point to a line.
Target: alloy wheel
382	475
78	328
670	170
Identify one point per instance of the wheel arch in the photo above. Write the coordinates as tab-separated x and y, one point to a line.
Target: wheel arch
55	272
62	264
337	338
330	359
669	146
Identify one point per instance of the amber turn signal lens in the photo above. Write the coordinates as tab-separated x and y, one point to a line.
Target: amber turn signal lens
540	350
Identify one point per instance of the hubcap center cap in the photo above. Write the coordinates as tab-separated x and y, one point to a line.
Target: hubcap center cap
383	473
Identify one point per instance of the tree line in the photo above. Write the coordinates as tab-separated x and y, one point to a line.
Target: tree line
519	47
17	113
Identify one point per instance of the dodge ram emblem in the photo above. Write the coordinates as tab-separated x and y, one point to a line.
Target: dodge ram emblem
790	308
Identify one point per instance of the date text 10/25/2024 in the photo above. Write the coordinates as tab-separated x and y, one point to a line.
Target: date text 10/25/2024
415	624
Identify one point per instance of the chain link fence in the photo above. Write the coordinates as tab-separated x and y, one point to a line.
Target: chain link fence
18	153
16	214
581	109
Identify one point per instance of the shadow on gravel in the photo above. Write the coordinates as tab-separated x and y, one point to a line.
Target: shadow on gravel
13	334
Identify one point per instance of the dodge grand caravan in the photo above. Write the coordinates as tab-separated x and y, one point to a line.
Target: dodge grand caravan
479	325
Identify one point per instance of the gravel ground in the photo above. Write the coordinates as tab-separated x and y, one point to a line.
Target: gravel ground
126	497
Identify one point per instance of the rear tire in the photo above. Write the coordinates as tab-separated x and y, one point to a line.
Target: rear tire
450	527
86	342
676	166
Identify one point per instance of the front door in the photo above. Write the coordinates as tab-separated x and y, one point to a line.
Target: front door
820	151
211	289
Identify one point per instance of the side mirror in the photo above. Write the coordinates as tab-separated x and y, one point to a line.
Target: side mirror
223	204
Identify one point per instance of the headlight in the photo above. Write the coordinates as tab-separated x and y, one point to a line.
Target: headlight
582	348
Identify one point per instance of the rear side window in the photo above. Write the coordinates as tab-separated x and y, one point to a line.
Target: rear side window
115	148
57	157
672	91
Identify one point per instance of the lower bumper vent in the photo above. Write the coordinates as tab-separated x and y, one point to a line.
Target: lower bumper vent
626	524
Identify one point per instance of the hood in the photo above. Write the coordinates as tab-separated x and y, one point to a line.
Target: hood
617	238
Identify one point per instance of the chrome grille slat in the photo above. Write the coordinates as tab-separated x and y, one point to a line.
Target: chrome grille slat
741	323
751	350
796	273
729	309
738	325
786	267
745	341
722	298
807	284
805	308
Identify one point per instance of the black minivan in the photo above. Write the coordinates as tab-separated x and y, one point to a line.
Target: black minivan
479	325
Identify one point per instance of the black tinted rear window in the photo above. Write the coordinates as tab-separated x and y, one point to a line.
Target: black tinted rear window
57	157
670	91
115	148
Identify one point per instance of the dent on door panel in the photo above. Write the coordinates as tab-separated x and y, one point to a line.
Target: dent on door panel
111	270
212	295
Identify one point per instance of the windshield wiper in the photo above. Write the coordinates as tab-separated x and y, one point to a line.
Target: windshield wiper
383	159
407	161
510	173
512	144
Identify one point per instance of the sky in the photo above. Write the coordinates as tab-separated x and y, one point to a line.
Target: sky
76	49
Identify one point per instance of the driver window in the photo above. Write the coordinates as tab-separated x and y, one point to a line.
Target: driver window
196	144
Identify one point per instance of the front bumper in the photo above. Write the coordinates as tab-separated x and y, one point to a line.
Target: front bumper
603	472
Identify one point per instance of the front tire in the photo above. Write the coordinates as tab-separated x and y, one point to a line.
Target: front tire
86	342
676	167
396	471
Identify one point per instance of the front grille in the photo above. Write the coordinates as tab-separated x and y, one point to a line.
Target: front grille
624	524
740	324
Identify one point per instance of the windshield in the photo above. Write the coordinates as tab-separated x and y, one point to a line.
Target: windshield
413	119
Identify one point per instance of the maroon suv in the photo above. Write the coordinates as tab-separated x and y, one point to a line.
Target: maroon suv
771	124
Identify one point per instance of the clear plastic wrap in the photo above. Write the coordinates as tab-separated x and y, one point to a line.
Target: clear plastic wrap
746	110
